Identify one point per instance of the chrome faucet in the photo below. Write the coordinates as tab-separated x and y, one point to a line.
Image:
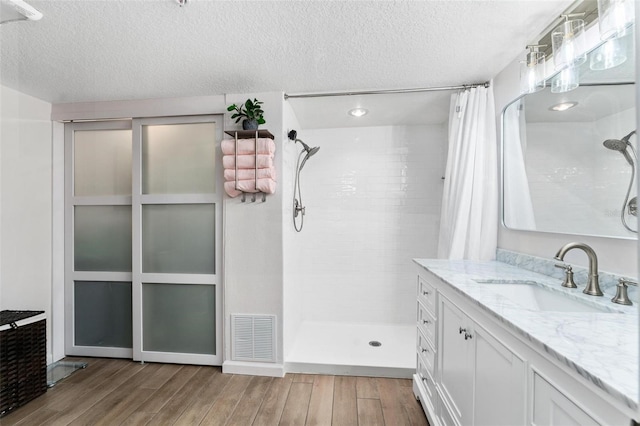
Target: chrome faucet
592	288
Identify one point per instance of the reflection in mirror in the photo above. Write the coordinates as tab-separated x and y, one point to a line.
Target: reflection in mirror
569	159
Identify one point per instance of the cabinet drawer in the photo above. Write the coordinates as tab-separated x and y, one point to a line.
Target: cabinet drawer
426	379
426	323
427	295
426	352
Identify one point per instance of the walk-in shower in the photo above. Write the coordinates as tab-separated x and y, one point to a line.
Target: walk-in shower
298	208
624	146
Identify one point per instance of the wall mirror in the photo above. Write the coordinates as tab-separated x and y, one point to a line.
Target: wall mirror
558	175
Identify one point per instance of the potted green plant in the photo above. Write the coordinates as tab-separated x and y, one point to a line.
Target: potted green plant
250	111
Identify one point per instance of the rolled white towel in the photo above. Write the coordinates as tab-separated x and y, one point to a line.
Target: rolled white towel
247	161
248	146
268	186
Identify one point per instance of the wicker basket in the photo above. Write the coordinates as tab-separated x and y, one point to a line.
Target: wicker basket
23	362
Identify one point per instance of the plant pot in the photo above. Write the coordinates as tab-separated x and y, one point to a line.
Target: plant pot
250	124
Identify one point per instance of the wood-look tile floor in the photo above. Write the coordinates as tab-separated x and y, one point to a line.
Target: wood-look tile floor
122	392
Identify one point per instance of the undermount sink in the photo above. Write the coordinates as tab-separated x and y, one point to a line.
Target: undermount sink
533	296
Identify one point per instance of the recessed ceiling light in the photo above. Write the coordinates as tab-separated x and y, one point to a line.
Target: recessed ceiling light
358	112
563	106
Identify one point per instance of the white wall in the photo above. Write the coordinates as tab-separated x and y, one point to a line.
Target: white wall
372	198
25	204
253	247
292	292
614	255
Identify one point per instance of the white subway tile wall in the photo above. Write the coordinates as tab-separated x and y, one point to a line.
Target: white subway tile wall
372	198
573	175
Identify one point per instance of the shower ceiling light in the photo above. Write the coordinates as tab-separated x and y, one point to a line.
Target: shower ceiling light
358	112
563	106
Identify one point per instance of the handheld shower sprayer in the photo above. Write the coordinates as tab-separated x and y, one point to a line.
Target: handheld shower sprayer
624	146
307	151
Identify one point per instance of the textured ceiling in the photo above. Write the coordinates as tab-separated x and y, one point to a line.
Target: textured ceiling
84	50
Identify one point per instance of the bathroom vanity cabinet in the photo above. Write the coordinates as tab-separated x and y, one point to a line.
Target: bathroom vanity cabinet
474	369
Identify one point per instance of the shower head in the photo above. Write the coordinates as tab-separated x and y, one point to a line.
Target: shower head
310	152
621	146
615	144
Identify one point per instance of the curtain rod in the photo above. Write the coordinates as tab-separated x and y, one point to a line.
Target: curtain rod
384	92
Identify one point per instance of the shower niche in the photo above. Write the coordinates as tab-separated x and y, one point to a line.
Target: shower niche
569	159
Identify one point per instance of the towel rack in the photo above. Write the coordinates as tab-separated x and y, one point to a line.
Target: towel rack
249	134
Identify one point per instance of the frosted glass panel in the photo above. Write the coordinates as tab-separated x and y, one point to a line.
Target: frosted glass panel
179	159
102	315
179	318
102	238
102	162
178	238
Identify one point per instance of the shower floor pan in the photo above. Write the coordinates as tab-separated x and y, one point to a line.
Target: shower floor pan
352	349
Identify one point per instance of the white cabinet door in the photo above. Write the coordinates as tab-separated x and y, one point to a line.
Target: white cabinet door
500	383
483	382
551	407
455	355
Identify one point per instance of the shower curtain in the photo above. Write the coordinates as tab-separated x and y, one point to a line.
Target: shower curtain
518	208
469	214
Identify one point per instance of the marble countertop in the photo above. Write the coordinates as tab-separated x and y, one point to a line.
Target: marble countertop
602	347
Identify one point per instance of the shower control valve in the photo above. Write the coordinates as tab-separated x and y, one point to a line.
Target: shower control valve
297	208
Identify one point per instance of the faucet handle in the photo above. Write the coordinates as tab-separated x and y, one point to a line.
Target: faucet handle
621	296
568	275
627	282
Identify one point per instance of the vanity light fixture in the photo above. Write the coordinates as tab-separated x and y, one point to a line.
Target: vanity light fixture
615	17
609	55
566	80
532	70
563	106
358	112
567	41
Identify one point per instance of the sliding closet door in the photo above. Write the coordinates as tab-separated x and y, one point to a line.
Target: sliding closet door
143	240
176	219
98	289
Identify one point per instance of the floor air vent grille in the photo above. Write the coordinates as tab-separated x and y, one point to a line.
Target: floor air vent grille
253	338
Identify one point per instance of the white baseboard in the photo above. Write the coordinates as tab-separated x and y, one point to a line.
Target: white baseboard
349	370
253	368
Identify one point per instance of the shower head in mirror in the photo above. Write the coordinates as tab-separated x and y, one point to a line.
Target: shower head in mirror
619	145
